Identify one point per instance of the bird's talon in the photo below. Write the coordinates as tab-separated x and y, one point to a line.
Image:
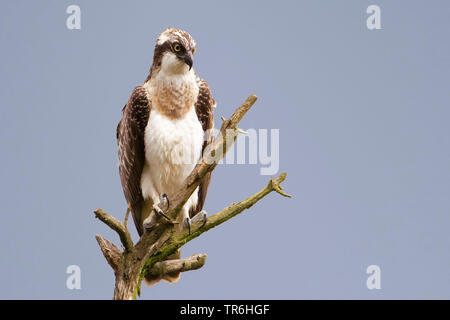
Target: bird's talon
158	211
164	200
187	224
202	215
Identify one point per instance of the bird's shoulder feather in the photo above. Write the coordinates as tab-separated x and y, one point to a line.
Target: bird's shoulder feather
131	145
204	108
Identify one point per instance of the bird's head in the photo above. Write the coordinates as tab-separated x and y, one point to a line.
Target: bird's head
174	52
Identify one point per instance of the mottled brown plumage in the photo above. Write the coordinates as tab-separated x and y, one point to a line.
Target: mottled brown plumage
205	113
130	140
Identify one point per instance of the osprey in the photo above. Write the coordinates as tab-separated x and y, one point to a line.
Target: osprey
165	126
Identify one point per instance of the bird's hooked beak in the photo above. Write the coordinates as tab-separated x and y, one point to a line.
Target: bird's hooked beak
188	59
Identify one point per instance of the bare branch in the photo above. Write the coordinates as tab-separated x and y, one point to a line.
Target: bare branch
110	251
127	214
117	226
178	265
275	184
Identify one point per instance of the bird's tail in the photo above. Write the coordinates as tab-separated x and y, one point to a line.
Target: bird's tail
169	277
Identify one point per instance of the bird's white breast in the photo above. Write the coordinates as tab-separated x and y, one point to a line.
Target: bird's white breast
172	149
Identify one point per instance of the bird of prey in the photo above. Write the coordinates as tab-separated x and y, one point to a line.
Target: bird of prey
165	126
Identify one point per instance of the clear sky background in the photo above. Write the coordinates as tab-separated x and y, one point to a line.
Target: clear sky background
364	137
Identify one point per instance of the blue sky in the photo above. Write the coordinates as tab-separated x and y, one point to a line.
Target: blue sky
364	137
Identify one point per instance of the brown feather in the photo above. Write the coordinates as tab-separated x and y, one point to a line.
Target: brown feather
130	139
204	108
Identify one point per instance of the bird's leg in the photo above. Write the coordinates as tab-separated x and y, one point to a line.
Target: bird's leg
200	216
163	203
151	220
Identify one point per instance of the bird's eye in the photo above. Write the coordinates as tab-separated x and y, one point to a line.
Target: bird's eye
176	47
193	50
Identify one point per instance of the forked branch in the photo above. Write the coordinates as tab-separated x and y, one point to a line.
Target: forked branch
150	252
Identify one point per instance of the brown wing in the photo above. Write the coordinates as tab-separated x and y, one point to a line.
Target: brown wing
130	140
205	112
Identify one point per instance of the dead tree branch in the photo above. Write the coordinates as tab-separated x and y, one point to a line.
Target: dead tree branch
117	226
178	265
149	253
